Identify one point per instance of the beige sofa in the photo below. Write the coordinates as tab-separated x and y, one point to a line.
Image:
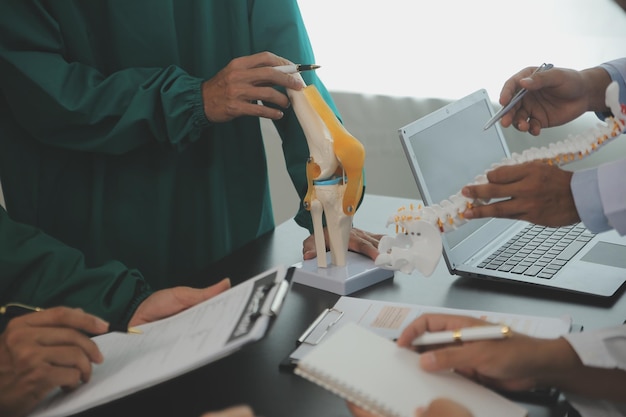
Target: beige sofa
375	120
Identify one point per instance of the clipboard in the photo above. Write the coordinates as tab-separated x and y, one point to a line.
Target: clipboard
388	319
312	336
178	344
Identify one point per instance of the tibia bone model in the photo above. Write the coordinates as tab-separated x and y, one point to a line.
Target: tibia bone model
418	244
334	173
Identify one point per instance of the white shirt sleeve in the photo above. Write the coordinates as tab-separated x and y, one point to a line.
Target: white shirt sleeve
586	193
600	193
617	71
611	180
605	348
600	196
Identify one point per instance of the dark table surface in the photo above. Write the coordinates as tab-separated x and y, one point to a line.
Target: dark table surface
252	375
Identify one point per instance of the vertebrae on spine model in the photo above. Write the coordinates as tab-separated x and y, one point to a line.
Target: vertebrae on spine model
417	244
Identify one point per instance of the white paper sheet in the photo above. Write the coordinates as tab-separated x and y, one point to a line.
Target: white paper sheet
170	347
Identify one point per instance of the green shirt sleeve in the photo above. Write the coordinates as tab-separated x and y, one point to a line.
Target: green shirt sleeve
40	271
69	103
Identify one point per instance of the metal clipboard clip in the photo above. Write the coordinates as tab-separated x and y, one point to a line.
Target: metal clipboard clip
329	317
258	304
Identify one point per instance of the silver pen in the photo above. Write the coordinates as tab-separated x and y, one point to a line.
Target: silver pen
293	68
463	335
516	98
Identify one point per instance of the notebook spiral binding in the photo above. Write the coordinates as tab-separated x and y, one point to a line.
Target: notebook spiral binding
358	397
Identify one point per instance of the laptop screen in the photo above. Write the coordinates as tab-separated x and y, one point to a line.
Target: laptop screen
449	148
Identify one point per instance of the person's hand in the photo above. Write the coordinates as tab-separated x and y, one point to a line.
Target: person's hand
236	411
165	303
554	97
537	192
45	350
439	407
235	90
362	242
517	362
357	411
443	407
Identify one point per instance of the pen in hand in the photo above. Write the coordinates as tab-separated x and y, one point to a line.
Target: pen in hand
293	68
516	98
12	310
462	335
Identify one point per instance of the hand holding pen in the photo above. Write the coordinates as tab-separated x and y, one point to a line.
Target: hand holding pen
245	82
556	97
13	310
516	362
45	350
449	329
515	99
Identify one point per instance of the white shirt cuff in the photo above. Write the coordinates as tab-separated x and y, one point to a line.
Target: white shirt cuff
586	193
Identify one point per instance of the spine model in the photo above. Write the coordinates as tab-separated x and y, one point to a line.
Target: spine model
417	244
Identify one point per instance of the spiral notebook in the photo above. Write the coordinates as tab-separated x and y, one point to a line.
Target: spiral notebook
377	375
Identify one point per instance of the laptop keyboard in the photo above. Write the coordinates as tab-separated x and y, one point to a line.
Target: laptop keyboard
538	251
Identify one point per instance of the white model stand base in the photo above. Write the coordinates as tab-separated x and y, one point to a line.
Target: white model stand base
359	272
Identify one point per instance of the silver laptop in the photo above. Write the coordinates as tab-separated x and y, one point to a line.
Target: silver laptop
446	150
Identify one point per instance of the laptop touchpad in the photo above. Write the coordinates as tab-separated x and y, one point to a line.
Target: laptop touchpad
605	253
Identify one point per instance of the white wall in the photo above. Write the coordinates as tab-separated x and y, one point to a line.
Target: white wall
449	48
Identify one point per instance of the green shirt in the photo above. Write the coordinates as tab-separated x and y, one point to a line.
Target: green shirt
37	270
103	140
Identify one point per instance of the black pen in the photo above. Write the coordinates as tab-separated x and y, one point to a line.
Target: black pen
12	310
292	69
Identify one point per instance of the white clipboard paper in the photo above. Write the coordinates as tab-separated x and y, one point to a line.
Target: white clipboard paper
178	344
